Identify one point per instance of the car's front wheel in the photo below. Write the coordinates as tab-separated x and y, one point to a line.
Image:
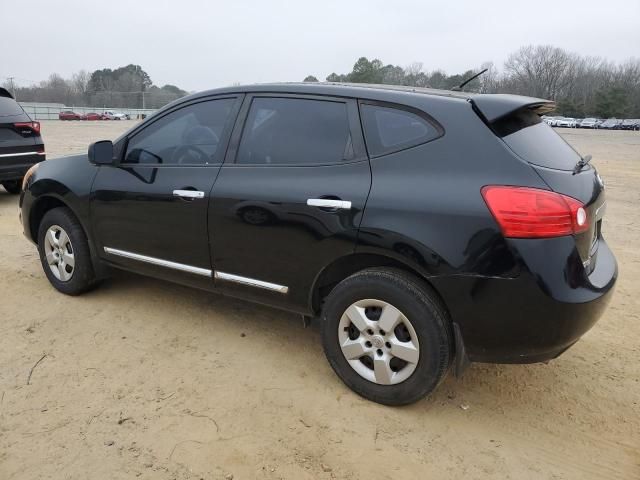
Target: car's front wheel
12	186
64	252
387	336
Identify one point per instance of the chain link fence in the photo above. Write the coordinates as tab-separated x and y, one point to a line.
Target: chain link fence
50	111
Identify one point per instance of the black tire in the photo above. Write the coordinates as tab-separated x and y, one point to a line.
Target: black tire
419	304
83	276
12	186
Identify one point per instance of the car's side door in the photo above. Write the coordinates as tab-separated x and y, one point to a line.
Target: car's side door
149	210
289	198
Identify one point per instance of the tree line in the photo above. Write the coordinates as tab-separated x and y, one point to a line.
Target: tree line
581	86
124	87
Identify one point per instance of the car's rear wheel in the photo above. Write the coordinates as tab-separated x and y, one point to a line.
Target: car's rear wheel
12	186
386	335
64	252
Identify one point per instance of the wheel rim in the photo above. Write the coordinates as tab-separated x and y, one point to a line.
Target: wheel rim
379	342
59	253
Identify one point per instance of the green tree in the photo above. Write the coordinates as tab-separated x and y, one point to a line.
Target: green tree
334	77
310	78
365	71
611	102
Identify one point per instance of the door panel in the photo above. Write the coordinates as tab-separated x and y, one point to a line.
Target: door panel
149	212
133	210
268	240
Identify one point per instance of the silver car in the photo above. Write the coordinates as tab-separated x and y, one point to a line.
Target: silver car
589	123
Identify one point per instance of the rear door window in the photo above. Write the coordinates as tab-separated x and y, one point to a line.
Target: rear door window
389	129
295	131
535	142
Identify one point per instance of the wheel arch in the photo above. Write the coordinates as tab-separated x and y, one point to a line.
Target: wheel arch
345	266
39	209
45	203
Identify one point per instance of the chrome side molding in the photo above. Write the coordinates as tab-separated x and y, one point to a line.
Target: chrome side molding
251	282
21	154
158	261
228	277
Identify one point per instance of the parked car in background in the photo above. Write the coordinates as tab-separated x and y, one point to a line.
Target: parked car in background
589	122
566	122
630	124
69	115
551	121
21	145
94	116
610	124
113	115
346	203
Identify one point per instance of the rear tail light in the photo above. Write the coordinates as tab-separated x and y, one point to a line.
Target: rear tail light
33	126
525	212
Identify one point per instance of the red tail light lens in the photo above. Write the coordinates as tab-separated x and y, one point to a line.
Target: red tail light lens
34	126
525	212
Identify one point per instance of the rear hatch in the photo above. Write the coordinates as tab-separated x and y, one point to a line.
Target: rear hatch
555	161
14	137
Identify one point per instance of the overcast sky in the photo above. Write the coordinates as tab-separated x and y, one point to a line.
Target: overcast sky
198	45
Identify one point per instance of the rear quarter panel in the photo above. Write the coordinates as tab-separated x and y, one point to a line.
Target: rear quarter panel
425	207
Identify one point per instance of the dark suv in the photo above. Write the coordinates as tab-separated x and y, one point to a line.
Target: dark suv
20	143
424	228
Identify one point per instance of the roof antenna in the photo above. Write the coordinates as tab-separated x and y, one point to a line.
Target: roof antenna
459	88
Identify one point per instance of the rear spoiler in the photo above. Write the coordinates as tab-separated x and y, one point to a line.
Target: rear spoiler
495	106
5	93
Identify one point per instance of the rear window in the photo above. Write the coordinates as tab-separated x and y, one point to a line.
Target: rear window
389	129
8	107
535	141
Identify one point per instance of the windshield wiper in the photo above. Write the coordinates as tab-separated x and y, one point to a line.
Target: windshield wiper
581	163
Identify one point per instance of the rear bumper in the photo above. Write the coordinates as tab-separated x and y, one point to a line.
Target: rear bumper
537	315
14	166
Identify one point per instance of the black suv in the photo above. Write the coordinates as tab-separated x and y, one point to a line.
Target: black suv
424	228
20	143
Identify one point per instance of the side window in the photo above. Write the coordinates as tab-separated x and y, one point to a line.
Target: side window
286	131
389	129
188	136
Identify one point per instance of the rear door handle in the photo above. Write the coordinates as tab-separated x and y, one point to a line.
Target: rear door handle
329	203
188	194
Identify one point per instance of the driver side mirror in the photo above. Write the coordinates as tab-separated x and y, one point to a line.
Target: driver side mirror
101	153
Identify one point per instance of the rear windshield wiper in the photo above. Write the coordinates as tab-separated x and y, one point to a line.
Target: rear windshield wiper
581	163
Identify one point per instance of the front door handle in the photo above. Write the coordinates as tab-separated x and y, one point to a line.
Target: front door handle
190	194
329	203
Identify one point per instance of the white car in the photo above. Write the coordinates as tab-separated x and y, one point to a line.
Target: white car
566	122
111	115
551	121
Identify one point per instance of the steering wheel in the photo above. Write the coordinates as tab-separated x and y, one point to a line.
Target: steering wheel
189	154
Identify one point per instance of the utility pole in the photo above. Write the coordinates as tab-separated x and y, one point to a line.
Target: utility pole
13	88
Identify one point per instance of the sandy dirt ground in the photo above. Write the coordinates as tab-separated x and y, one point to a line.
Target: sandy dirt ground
145	379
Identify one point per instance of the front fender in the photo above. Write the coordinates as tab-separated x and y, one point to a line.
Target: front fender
61	182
